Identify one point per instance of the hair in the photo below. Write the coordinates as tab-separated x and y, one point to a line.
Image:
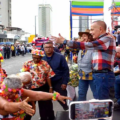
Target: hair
48	42
102	24
25	76
13	81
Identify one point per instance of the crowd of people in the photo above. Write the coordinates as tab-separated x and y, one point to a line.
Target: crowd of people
48	71
14	50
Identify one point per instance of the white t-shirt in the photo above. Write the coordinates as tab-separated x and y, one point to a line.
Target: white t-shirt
22	48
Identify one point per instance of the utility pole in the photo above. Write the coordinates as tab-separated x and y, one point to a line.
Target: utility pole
35	26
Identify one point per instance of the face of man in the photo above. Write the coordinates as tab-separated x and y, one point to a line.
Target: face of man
95	30
36	59
48	48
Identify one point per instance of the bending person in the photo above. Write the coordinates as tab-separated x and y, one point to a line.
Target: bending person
11	90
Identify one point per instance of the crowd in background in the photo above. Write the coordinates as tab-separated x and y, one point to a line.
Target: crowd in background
9	51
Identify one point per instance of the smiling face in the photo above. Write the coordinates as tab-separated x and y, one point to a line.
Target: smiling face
85	37
95	30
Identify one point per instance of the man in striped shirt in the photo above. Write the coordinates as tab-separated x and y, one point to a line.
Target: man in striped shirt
102	59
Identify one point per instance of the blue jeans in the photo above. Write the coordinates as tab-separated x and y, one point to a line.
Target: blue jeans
103	82
83	88
117	88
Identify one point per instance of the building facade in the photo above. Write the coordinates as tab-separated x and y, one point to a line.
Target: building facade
5	12
44	20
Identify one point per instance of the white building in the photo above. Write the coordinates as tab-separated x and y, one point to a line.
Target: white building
5	12
44	20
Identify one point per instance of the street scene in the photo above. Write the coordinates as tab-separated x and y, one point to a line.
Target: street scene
59	60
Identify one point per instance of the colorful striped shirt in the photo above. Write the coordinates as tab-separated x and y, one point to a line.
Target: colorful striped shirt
104	51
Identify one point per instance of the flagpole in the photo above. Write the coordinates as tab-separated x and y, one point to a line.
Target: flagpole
71	19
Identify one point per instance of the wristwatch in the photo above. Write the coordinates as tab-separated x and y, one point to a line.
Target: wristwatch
65	42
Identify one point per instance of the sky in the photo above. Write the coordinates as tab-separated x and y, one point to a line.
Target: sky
24	12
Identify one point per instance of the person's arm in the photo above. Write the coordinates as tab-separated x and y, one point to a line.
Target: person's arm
12	107
50	74
98	44
94	45
36	96
49	84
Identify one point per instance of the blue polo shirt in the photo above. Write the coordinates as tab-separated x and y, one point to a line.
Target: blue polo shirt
59	66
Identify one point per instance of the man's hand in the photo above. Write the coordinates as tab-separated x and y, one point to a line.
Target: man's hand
62	98
50	90
59	39
26	107
63	86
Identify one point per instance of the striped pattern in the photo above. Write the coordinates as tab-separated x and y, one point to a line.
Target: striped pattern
81	8
104	51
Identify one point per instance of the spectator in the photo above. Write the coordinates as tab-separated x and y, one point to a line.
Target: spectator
13	50
118	37
5	51
22	50
85	68
60	67
41	74
102	59
117	80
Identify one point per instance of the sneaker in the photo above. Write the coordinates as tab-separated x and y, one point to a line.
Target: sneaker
116	106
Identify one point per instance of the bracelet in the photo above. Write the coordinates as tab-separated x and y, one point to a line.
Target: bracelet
51	87
55	96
